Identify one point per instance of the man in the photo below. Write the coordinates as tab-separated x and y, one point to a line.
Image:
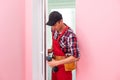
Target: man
64	44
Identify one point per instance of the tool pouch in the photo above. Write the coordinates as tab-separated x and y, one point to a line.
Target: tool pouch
69	66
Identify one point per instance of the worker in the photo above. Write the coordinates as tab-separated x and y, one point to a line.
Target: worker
64	47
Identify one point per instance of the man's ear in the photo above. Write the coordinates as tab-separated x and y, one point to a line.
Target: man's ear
61	21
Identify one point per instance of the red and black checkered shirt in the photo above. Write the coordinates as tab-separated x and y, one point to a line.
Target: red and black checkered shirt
68	42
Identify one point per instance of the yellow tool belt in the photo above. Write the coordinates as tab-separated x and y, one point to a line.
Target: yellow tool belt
68	66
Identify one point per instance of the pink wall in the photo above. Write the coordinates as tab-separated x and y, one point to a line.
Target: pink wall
98	31
15	40
12	39
28	39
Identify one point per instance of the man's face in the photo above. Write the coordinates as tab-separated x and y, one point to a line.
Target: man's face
57	26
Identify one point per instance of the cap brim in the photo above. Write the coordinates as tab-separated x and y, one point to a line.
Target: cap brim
50	23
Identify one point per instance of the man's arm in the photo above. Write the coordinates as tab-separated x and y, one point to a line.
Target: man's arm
52	31
63	61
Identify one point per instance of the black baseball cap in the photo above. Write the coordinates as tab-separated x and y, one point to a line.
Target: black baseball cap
54	17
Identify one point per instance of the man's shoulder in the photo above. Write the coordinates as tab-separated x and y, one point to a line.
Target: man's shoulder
70	32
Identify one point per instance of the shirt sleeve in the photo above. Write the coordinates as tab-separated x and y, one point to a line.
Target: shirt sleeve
73	45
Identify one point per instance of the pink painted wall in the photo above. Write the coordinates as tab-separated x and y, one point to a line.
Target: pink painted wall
28	39
98	31
12	39
15	40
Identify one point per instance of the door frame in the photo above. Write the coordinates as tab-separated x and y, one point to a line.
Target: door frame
39	40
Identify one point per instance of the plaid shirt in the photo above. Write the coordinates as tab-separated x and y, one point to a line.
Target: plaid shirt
68	42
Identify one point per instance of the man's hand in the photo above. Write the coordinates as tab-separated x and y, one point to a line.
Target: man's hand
50	50
52	63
